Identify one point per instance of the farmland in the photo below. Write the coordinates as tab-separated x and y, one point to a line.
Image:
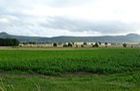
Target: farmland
103	69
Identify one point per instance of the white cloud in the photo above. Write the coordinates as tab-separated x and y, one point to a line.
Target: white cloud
25	16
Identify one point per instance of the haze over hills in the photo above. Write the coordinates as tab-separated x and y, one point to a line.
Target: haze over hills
119	39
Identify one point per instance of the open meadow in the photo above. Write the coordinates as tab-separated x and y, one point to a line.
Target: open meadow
93	69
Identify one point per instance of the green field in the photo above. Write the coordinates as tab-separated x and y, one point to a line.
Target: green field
70	70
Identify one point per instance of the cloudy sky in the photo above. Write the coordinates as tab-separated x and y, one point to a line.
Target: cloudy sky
69	17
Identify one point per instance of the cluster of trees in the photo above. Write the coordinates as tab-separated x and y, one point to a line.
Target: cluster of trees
93	45
68	45
65	45
96	45
9	42
29	43
71	44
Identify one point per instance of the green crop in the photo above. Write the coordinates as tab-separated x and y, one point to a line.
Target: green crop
70	70
54	62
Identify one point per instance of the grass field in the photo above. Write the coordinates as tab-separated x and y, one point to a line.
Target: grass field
70	69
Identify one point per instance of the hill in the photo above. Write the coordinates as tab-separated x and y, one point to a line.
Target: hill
118	39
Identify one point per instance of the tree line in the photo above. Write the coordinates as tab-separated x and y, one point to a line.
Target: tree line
9	42
97	44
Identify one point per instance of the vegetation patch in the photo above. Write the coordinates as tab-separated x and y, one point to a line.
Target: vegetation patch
51	62
74	70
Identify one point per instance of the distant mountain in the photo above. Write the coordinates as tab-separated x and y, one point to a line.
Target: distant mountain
4	35
118	39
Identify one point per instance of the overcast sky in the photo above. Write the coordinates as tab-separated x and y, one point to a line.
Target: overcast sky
69	17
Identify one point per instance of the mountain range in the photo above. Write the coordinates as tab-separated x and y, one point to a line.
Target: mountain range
115	39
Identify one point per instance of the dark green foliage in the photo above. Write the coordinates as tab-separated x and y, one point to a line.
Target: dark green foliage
9	42
65	45
54	44
85	43
124	45
70	44
106	44
99	43
31	43
96	45
82	45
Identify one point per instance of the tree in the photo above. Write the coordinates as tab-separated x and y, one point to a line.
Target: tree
124	45
106	44
54	44
131	46
31	43
85	43
76	46
82	46
9	42
70	45
15	42
99	43
65	45
96	45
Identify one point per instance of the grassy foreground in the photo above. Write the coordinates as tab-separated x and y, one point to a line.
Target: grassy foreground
70	70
